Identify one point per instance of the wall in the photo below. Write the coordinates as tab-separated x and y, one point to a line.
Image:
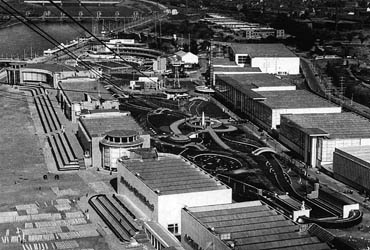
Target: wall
329	146
276	113
141	188
170	205
96	154
277	65
351	168
84	139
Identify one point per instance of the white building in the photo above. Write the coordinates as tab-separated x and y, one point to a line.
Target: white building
187	57
352	166
270	58
315	136
161	187
265	97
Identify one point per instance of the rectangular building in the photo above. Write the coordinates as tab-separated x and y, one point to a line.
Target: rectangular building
352	166
77	94
315	136
270	58
161	187
263	98
243	226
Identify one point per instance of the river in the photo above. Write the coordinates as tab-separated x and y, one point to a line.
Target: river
18	39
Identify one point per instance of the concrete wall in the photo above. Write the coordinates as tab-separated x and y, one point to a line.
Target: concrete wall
141	188
276	113
84	139
277	65
329	146
352	169
170	205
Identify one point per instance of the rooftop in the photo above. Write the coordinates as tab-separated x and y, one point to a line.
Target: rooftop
172	174
294	99
99	126
254	80
224	62
53	67
262	50
254	225
360	152
337	125
75	90
237	69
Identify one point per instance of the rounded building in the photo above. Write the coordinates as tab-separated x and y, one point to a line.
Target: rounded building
116	144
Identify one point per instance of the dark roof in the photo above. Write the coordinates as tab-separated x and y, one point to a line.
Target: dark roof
255	80
172	174
254	225
75	90
99	126
337	125
262	49
294	99
224	61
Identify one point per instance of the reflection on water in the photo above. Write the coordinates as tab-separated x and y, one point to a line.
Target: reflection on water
19	39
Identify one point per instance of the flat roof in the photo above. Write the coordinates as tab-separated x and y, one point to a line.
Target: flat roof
295	99
337	125
53	67
360	152
99	126
75	90
254	225
262	49
172	174
237	69
224	61
254	80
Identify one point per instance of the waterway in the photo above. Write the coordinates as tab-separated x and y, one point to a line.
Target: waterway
19	40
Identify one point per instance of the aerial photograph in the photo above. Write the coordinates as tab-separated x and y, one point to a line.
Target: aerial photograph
184	124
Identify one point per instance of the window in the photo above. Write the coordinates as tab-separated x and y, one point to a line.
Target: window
173	228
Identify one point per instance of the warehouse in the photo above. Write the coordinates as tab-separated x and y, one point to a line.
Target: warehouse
245	225
315	136
107	136
263	98
270	58
352	166
161	187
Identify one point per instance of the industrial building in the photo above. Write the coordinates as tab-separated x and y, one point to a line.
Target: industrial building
77	94
246	225
107	136
315	136
270	58
23	74
235	70
160	187
351	165
263	98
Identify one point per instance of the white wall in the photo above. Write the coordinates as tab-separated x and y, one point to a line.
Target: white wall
276	113
169	206
274	65
329	145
